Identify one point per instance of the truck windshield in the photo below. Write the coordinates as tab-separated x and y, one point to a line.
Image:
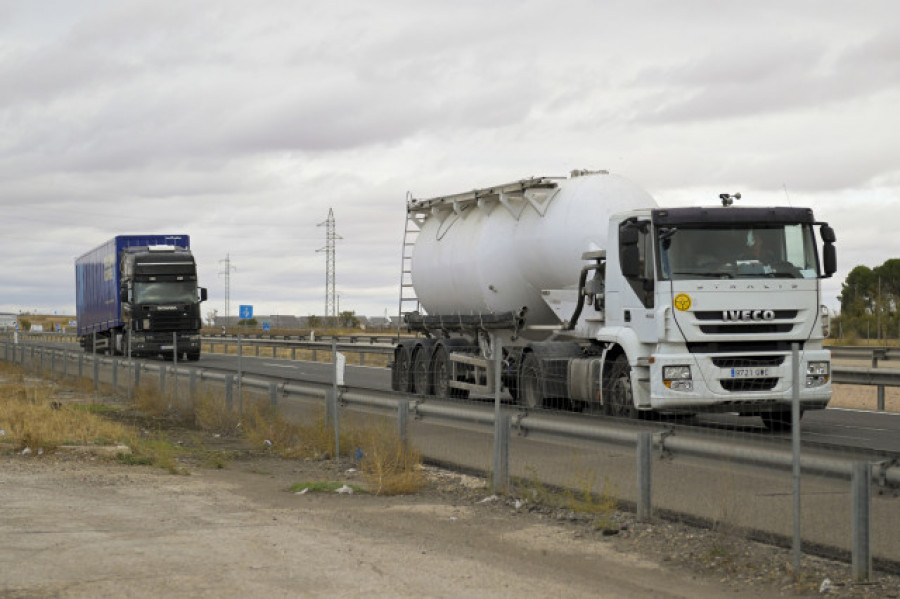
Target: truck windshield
744	250
165	292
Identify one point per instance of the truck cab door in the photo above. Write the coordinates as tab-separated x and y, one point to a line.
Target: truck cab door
636	256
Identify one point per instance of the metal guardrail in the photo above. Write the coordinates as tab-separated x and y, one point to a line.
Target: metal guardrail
769	453
383	345
852	375
875	354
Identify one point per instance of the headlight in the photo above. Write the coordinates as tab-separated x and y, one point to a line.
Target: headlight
146	324
817	373
678	378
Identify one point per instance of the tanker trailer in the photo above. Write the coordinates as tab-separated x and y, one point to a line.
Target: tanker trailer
598	298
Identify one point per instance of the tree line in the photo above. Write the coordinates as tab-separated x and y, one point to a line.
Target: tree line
869	302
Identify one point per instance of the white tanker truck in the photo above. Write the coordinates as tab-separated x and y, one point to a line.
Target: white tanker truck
600	299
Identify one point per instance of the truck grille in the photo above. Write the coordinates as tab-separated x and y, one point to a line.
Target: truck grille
760	384
747	361
745	329
175	320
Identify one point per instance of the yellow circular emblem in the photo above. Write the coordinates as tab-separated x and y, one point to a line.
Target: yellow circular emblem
682	302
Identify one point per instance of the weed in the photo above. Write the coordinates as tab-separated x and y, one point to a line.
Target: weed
33	419
388	465
578	496
210	413
159	452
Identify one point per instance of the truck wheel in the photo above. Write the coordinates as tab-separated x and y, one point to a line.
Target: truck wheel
621	397
531	392
440	370
420	375
401	373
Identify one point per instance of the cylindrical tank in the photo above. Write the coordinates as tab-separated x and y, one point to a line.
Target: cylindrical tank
488	259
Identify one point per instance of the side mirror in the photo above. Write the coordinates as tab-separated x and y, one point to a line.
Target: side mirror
829	259
827	234
202	294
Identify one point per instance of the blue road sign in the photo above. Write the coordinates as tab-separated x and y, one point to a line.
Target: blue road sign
267	326
246	312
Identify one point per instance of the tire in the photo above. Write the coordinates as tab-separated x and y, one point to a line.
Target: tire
530	387
402	379
421	378
619	391
440	376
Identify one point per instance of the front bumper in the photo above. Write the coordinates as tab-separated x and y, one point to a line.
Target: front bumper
151	344
739	382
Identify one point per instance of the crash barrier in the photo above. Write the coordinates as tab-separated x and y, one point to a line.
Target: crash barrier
728	482
366	353
377	351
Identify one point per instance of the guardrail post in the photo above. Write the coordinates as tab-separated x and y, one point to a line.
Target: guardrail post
500	475
403	422
193	383
52	362
293	353
229	392
644	475
115	373
795	449
273	394
861	527
362	358
881	398
41	361
334	398
96	371
137	374
162	379
175	370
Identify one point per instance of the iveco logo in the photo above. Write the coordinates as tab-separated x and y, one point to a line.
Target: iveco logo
738	315
161	308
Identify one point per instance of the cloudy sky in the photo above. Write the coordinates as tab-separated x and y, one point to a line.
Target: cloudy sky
242	123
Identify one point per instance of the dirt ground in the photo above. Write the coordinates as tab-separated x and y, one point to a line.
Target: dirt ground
79	524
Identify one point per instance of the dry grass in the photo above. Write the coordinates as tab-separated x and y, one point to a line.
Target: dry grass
209	412
582	495
31	418
389	466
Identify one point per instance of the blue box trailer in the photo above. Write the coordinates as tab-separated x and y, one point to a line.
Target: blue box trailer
98	307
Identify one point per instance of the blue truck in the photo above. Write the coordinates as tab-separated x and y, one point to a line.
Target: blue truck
139	294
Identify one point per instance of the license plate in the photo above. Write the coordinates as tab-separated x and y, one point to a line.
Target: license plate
749	373
165	347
